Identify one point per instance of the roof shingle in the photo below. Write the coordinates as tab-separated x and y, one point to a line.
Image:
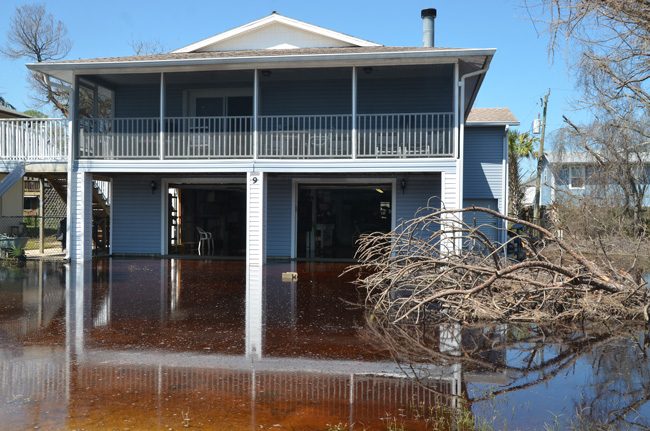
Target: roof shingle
253	53
492	115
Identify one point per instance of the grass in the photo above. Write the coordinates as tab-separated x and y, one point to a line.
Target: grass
48	242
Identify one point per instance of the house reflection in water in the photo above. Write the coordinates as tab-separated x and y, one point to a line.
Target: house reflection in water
152	343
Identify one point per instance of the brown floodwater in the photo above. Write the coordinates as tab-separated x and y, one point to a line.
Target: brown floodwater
175	344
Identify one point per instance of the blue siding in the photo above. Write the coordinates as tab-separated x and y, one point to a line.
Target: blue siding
312	91
563	191
137	101
137	215
483	165
418	193
304	97
421	89
278	217
486	223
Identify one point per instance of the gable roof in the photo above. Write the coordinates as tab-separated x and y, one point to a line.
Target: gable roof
318	35
491	117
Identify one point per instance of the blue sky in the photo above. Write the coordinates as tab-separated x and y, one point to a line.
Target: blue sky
520	73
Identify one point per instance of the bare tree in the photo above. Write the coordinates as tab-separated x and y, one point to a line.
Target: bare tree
36	35
147	47
610	40
618	160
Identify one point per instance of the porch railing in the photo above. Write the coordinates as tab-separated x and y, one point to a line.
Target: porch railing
208	137
119	138
405	135
423	135
305	136
40	139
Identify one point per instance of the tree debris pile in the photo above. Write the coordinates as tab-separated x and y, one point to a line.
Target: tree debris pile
444	265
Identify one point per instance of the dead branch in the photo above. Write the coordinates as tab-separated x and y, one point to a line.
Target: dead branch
417	271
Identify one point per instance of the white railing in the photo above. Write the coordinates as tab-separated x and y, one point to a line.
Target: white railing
208	137
305	136
405	135
424	135
34	139
119	138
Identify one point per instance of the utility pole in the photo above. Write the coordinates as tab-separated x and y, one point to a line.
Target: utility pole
540	162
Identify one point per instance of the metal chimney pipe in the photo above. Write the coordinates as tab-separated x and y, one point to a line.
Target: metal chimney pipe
428	27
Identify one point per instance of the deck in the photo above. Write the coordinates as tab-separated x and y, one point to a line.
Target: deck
318	137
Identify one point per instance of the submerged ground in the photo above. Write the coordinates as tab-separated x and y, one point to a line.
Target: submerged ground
165	344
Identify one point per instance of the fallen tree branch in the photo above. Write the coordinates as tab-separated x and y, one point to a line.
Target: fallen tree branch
416	270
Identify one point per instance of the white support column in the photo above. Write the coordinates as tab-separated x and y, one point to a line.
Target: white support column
163	104
455	107
255	259
354	112
505	195
449	198
78	308
460	171
80	216
256	113
72	151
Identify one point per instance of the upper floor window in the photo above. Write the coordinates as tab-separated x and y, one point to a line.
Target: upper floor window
219	103
577	177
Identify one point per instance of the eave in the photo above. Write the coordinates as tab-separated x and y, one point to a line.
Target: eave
66	70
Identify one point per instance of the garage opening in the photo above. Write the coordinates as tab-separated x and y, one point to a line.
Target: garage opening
207	220
332	217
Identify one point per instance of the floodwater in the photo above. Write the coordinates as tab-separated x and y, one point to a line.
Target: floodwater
131	344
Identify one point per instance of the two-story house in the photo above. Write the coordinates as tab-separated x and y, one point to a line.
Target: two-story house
571	176
276	139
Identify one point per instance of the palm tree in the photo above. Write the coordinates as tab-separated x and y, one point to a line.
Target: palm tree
520	145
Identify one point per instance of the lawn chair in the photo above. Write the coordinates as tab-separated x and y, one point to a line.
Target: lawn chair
205	238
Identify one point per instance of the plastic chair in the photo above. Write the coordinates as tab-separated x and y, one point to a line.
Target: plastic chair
205	238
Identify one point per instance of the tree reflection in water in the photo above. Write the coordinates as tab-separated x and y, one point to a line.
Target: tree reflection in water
514	359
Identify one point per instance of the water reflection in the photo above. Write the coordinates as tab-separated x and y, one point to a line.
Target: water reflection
138	343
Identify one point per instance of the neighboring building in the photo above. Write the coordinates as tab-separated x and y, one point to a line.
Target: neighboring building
570	176
11	200
276	139
7	110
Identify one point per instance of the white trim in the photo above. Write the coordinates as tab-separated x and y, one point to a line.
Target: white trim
65	71
455	92
190	167
72	124
571	187
354	112
393	205
256	112
273	18
110	217
162	115
505	195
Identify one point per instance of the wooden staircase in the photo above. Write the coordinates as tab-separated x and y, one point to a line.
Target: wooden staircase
101	209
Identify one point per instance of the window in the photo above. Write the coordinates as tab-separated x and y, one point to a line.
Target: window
219	102
577	177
